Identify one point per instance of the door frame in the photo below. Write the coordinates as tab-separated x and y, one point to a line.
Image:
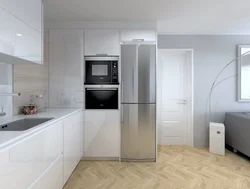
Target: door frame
190	94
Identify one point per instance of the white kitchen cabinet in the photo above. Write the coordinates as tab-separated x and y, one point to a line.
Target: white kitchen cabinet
102	134
29	11
23	163
21	32
66	48
52	178
72	143
98	42
130	35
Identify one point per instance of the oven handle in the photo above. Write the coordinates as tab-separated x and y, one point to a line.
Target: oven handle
102	89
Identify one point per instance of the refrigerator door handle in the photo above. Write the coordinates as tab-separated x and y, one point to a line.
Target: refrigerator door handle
122	91
133	84
121	114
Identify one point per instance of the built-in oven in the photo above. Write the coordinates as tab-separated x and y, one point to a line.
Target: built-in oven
101	70
101	98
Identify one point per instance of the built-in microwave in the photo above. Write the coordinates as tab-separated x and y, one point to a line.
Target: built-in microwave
101	98
101	70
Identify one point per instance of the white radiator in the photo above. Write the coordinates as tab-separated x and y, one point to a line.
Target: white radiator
217	138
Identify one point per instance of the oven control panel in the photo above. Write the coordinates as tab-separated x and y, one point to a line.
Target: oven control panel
115	76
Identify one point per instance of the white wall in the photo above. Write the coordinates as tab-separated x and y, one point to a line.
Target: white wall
211	54
6	87
245	82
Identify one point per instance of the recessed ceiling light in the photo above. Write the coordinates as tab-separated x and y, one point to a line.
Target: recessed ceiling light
19	35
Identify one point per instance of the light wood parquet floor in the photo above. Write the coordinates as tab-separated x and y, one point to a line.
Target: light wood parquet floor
178	167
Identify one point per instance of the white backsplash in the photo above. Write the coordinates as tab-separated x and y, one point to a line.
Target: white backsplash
6	87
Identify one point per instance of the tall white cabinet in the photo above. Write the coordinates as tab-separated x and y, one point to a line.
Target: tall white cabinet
66	60
21	32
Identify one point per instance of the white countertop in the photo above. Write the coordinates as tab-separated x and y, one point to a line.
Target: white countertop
7	138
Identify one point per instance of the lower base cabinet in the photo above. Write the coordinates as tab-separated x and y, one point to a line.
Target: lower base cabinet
52	178
102	134
24	162
72	144
46	159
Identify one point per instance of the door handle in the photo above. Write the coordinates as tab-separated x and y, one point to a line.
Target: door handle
183	102
178	99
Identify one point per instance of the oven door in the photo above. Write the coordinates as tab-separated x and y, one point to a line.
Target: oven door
104	98
98	71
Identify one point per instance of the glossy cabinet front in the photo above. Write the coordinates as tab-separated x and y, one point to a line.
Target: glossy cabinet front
21	31
23	163
52	178
102	134
98	42
29	11
66	67
46	159
72	144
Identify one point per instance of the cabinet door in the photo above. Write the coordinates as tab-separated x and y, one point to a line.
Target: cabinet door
19	40
72	144
52	178
102	134
102	42
130	35
29	11
66	67
28	159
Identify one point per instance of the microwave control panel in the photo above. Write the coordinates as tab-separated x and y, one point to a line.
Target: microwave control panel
115	75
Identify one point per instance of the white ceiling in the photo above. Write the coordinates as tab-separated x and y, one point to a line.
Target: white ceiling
172	16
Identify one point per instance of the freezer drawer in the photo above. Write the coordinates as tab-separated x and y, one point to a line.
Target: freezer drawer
138	127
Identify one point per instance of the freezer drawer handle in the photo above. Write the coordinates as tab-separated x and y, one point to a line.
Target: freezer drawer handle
102	89
101	54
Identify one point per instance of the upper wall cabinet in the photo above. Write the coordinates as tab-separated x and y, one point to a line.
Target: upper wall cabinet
131	35
21	31
29	11
99	42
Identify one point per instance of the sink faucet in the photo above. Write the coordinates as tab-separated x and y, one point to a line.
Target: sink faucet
2	114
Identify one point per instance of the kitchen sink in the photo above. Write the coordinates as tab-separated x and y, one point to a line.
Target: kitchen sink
23	124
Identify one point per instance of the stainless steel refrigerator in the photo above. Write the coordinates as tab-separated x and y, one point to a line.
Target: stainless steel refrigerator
138	102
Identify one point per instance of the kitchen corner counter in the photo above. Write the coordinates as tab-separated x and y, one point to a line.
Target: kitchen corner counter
7	138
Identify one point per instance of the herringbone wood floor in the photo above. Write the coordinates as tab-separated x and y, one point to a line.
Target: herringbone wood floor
178	167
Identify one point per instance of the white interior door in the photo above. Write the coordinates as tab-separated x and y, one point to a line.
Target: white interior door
174	96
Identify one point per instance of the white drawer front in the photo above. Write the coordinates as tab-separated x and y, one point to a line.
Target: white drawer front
27	160
52	178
